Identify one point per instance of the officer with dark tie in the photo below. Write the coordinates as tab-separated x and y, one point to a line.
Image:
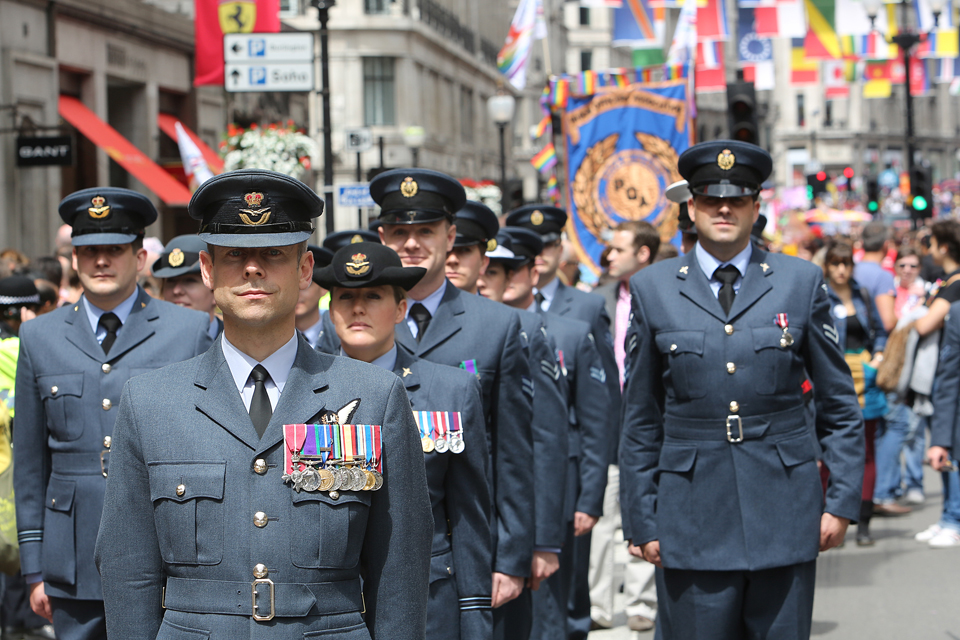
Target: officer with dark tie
719	478
73	364
263	489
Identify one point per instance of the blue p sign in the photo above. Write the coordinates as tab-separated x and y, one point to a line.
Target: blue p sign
258	75
257	47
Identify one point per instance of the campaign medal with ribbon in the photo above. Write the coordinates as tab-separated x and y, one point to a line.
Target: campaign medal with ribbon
784	323
440	427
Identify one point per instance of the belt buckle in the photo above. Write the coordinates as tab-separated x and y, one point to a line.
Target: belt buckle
103	466
731	420
273	610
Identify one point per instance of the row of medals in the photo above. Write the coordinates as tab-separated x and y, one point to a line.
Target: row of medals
452	443
351	478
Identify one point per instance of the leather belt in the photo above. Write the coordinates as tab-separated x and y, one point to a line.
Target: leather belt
80	464
262	599
734	428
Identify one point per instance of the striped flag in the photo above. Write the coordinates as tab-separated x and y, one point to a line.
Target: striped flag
711	75
781	19
545	159
835	79
712	21
513	57
802	71
638	25
821	41
755	53
877	78
683	48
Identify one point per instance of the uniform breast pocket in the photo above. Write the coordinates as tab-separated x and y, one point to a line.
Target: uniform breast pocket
773	360
327	533
188	507
682	352
61	396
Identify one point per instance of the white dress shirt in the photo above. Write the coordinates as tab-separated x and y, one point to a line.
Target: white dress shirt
122	311
431	303
548	292
277	364
709	265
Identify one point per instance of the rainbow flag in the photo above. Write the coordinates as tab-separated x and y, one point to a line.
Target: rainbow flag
545	159
588	83
560	93
821	41
513	57
542	127
553	190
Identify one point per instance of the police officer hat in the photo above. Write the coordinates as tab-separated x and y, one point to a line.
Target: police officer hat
106	215
546	220
18	291
725	168
504	252
525	245
411	196
476	224
679	192
338	240
368	264
254	208
180	257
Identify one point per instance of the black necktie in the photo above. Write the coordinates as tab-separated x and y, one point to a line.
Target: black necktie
111	323
727	275
260	408
421	316
539	298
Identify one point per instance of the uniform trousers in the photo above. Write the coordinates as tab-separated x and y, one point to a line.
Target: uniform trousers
638	580
771	604
78	619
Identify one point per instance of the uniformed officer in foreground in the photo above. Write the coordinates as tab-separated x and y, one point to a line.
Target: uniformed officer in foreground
720	485
179	268
73	364
366	303
253	488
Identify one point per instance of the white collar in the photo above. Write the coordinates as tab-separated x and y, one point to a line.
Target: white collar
312	334
277	364
550	290
431	302
387	361
709	264
122	310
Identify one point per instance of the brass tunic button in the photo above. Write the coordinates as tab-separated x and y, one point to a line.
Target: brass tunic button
54	390
107	404
734	407
260	519
334	495
260	571
53	502
728	329
107	441
260	466
731	368
673	347
181	489
105	368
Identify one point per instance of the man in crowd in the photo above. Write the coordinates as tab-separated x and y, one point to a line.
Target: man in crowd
310	321
874	278
73	364
178	269
230	539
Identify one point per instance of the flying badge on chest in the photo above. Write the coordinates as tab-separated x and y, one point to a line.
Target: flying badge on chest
440	431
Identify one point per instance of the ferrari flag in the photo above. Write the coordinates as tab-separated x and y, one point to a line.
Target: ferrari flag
217	17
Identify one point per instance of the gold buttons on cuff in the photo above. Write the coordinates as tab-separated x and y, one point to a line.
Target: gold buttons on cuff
260	466
106	404
54	390
731	368
181	489
107	441
728	329
105	368
260	571
734	407
673	347
260	519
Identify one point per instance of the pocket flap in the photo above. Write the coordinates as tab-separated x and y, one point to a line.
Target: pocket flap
61	384
766	337
60	494
680	342
182	481
346	497
441	566
677	459
796	450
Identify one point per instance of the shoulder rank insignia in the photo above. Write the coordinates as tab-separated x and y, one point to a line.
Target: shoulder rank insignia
684	269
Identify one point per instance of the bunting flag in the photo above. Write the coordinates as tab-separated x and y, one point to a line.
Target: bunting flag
638	25
919	79
602	4
712	21
711	76
541	127
821	41
513	57
780	19
851	19
553	190
947	70
755	53
194	165
802	71
877	79
545	159
683	48
835	79
217	17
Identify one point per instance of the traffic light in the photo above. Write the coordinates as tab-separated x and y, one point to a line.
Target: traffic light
848	173
816	184
742	111
922	191
873	195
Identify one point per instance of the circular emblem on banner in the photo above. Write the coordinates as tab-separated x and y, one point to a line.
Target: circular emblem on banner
176	258
753	48
631	185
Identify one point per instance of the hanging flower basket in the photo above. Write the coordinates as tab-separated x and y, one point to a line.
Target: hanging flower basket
276	147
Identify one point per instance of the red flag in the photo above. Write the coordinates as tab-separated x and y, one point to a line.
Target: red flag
710	72
217	17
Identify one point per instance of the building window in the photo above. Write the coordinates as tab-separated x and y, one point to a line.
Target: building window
378	99
586	59
376	6
801	115
828	113
584	16
466	114
290	7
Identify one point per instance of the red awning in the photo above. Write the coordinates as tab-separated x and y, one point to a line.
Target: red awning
168	124
124	153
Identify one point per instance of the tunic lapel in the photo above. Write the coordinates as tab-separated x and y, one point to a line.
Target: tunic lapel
220	401
81	335
406	369
754	284
445	321
136	329
695	286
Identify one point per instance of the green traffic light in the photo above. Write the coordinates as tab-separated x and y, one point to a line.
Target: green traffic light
872	206
919	203
809	192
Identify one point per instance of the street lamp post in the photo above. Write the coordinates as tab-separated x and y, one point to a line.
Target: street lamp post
323	8
906	39
501	108
414	137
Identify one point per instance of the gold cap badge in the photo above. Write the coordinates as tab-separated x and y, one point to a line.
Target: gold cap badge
409	187
176	258
100	208
356	238
358	265
726	160
254	200
536	218
492	244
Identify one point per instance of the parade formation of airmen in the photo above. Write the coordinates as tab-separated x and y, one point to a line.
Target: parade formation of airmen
443	450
